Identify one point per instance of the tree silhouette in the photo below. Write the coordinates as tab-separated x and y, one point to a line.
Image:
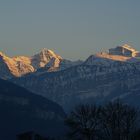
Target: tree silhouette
119	121
84	122
113	121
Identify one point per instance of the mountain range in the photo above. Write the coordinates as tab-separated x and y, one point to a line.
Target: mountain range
102	77
22	65
35	90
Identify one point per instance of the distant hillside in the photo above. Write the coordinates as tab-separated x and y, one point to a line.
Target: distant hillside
102	77
21	111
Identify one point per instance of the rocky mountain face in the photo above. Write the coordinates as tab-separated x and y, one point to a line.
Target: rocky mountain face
124	50
4	70
46	57
101	78
21	111
18	66
15	66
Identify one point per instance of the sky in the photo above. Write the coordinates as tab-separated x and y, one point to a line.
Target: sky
73	29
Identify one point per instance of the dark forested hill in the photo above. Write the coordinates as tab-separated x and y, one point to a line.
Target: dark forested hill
21	110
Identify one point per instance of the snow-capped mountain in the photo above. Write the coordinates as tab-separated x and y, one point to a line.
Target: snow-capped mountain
45	57
21	65
102	77
4	69
18	66
123	53
48	61
124	50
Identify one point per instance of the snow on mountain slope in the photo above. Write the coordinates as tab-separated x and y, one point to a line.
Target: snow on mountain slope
102	77
21	65
4	69
84	83
67	64
123	53
16	66
44	61
48	61
107	59
44	57
124	50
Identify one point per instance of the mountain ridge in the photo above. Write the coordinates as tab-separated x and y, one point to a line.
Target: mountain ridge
84	83
21	65
102	77
95	79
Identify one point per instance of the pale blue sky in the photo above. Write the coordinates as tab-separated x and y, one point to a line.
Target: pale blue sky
72	28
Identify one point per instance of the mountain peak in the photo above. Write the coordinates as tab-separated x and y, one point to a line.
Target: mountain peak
124	50
47	52
21	65
126	46
2	54
44	57
124	53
